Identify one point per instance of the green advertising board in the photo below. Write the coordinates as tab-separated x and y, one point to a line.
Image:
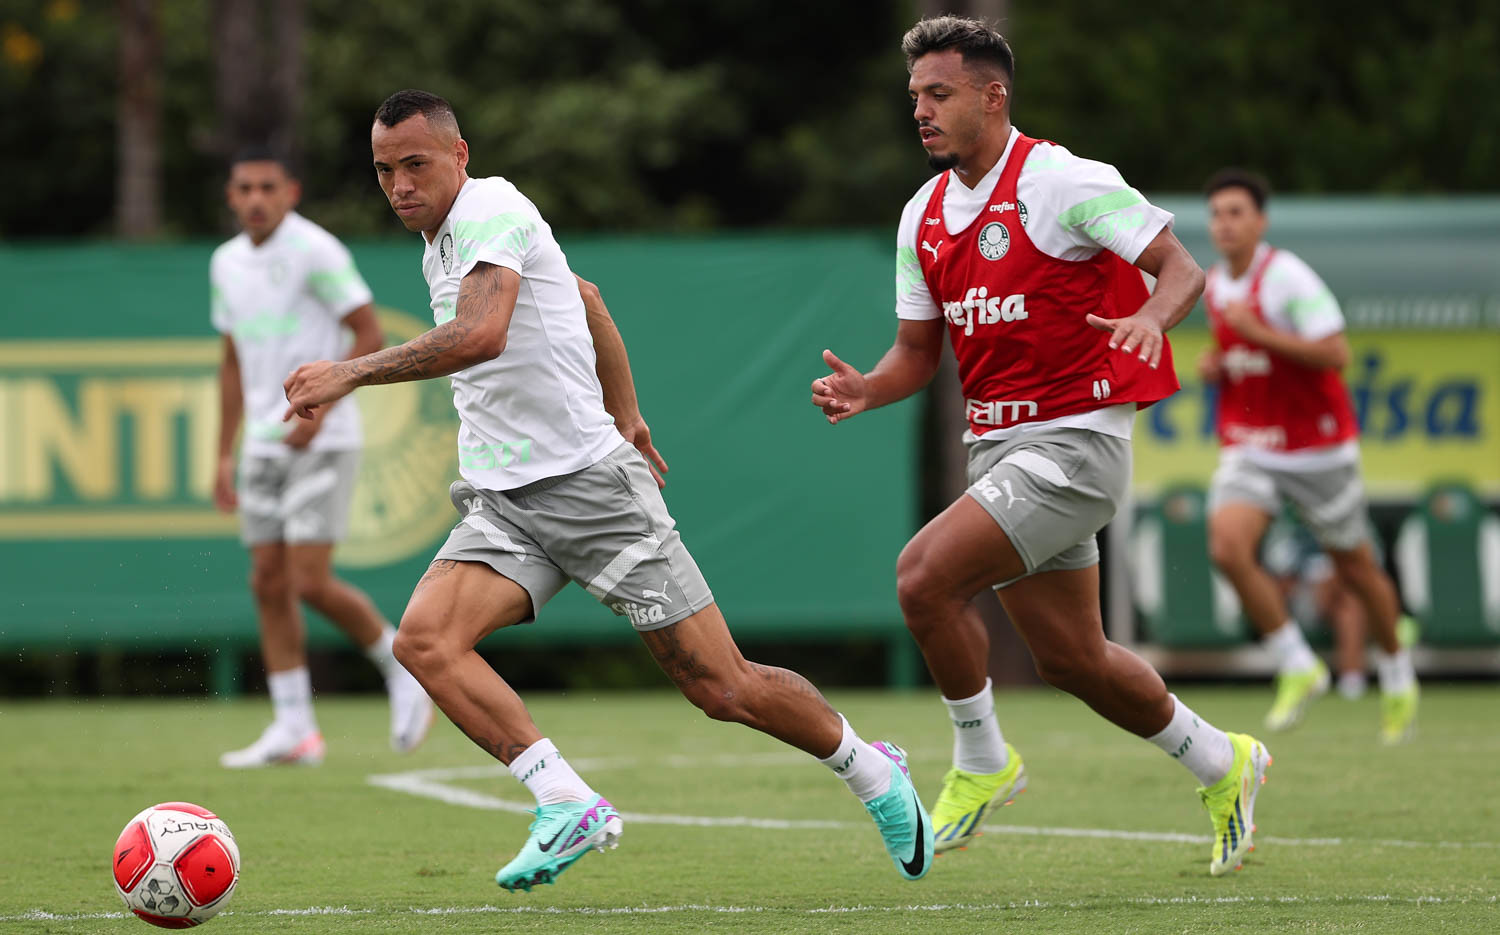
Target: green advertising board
109	409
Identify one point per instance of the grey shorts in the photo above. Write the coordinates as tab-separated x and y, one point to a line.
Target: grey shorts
605	527
300	498
1330	501
1051	490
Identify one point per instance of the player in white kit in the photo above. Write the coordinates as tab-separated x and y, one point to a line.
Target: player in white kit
284	292
556	487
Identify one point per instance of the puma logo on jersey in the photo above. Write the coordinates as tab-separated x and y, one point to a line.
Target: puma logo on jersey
930	248
978	307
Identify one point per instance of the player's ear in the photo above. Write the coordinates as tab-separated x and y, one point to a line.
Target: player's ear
995	96
461	152
294	192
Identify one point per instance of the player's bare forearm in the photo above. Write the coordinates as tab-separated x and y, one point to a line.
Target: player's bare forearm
908	366
1179	280
231	402
899	374
612	363
475	334
1327	353
368	337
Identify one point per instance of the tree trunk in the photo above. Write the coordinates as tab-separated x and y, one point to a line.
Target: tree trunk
138	181
287	20
239	75
258	75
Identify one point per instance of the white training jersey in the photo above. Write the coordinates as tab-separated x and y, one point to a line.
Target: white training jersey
537	410
1293	299
283	302
1080	207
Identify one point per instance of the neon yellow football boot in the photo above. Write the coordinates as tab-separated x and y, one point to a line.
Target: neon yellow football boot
1398	715
968	798
1294	692
1231	804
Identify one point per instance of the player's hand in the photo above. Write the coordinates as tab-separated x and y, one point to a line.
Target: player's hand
639	434
301	434
1208	366
225	497
311	385
841	394
1133	335
1240	317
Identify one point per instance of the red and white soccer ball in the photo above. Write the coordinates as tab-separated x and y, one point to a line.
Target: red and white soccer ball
176	865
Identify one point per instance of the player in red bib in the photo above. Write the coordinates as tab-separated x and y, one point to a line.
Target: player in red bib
1029	258
1289	435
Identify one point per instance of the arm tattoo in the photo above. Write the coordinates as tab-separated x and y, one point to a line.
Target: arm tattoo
682	667
432	354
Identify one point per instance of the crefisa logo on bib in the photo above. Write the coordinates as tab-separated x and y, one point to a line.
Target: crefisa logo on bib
445	250
994	241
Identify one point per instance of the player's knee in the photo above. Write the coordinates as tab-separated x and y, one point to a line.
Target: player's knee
918	589
269	583
311	589
418	646
1230	551
721	699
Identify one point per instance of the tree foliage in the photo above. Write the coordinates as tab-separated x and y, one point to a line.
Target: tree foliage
666	114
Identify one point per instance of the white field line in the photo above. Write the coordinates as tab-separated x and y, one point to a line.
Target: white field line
41	915
433	784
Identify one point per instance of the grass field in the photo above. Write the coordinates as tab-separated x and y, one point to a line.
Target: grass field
1109	838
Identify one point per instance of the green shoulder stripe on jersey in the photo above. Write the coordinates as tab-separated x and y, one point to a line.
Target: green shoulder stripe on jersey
332	285
510	231
1104	204
1300	309
908	270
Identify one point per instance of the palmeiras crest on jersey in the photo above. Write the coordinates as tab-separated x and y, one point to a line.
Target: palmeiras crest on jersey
994	240
445	251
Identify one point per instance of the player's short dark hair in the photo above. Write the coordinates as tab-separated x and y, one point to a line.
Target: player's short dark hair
263	152
977	41
403	105
1252	182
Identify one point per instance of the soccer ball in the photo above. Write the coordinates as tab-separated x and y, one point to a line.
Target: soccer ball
176	865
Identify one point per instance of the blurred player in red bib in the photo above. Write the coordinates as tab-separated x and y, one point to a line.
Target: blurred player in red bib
1288	434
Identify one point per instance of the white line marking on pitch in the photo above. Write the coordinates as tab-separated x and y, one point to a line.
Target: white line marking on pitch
41	915
433	784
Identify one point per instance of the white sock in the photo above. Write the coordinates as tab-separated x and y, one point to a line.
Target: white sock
291	699
381	654
978	746
1351	684
1289	647
867	772
544	772
1395	671
1201	747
